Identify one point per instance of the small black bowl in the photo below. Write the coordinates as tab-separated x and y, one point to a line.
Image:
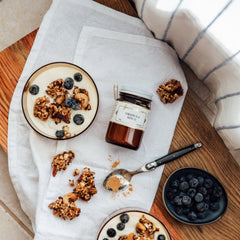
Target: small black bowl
211	216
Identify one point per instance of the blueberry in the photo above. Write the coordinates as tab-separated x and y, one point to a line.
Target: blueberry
202	215
75	106
184	186
186	200
78	119
34	89
179	210
105	239
60	133
207	198
124	218
77	77
171	193
198	197
175	184
182	179
208	183
192	215
120	226
69	102
68	83
206	206
191	192
200	180
214	206
186	210
111	232
181	194
178	201
217	192
193	182
200	206
202	190
161	237
189	176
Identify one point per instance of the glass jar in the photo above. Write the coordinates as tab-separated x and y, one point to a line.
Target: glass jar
129	118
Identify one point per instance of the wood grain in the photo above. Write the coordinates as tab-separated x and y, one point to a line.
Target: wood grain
12	61
192	127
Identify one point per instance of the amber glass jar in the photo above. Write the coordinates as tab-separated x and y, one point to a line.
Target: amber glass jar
129	118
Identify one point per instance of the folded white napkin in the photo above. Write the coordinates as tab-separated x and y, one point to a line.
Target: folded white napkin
109	57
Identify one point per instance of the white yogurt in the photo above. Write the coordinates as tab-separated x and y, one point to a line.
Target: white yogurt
42	78
130	226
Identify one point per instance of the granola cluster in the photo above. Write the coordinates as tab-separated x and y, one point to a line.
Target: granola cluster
59	113
61	106
145	230
65	208
60	161
40	109
56	88
170	91
85	187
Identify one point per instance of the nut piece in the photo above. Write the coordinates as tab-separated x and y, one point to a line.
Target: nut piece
170	91
85	187
61	161
40	109
76	172
71	182
65	207
82	97
146	228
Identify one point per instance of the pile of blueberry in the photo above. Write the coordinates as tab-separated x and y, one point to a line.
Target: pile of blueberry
194	196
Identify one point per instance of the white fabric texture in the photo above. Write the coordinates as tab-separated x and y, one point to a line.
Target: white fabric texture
204	34
75	31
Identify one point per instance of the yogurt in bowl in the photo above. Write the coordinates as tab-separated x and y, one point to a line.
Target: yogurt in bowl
133	224
60	100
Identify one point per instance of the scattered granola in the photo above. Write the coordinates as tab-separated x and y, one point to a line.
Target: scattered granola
170	91
85	187
61	161
40	109
71	182
65	208
76	172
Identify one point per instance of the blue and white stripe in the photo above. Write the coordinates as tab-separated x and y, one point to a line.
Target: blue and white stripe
220	65
141	12
170	21
227	96
227	127
200	35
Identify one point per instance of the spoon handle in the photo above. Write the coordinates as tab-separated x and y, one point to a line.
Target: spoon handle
172	156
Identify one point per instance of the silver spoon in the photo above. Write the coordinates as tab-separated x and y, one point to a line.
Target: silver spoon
125	176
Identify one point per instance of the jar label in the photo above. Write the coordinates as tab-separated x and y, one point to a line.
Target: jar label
130	115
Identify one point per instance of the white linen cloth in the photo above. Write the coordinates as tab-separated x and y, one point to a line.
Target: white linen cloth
204	34
110	57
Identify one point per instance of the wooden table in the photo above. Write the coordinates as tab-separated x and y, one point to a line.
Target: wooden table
192	127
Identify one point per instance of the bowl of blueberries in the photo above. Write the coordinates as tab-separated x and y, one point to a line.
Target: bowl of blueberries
194	196
60	100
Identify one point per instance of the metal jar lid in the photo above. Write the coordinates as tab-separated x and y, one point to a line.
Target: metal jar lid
136	92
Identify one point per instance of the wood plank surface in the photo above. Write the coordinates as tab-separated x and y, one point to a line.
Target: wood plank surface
192	127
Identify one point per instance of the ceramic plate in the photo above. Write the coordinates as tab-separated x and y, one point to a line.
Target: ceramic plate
209	206
74	116
117	225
